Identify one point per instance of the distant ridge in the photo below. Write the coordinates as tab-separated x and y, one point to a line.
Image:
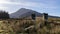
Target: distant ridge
23	12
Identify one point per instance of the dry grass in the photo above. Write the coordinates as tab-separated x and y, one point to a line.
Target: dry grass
14	26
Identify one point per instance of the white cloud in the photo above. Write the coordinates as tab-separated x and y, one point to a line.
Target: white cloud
6	4
3	8
30	4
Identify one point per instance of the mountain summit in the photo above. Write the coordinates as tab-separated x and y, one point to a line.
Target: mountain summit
24	13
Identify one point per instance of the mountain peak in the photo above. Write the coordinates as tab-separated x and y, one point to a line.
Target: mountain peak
23	13
22	8
26	9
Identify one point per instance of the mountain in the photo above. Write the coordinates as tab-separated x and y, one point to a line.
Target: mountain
24	13
27	12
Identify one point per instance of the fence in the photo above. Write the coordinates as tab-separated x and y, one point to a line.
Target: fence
27	26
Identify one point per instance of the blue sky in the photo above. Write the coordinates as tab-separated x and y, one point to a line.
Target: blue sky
52	7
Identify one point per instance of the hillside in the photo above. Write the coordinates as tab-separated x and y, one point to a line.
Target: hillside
23	13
